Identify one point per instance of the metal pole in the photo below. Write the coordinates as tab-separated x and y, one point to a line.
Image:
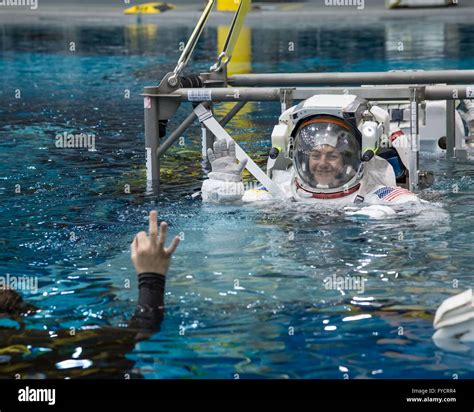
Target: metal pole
152	142
414	142
176	134
189	121
191	44
286	98
440	92
232	112
450	128
224	94
207	142
346	79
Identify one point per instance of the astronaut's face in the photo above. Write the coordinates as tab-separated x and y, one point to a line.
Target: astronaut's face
325	163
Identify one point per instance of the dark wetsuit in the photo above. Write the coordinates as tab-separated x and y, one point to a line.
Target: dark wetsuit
150	308
105	347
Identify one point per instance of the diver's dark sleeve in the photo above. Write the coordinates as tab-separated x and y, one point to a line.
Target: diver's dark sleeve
150	308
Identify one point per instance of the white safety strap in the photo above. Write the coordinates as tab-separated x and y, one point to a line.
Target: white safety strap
205	116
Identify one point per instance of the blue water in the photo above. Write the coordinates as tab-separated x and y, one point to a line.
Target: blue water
71	223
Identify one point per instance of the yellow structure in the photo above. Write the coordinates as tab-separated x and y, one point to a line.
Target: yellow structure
149	8
240	63
242	53
227	5
141	36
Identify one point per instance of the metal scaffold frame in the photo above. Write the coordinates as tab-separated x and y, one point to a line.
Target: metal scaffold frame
414	87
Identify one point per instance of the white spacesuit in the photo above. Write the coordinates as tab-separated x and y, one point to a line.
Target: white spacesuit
328	149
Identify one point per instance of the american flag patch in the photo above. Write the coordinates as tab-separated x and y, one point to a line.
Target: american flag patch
390	193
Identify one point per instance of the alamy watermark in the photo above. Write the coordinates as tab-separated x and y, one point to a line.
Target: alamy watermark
334	282
32	4
19	283
237	189
360	4
28	394
81	140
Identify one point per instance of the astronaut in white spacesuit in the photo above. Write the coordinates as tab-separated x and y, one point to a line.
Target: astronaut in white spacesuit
329	149
337	151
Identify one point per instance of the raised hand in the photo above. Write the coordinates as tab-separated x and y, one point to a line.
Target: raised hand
149	253
223	158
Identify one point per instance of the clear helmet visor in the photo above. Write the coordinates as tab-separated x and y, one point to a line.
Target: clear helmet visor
326	154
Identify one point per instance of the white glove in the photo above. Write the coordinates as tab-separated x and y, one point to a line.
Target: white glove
224	162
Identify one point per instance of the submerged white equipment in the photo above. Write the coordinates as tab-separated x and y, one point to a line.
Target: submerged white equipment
392	4
454	322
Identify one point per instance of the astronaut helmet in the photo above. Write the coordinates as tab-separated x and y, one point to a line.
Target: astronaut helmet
327	155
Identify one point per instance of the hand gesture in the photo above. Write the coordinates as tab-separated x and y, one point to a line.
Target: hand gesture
148	252
223	158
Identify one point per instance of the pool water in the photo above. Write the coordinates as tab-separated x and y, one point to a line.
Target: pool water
245	295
